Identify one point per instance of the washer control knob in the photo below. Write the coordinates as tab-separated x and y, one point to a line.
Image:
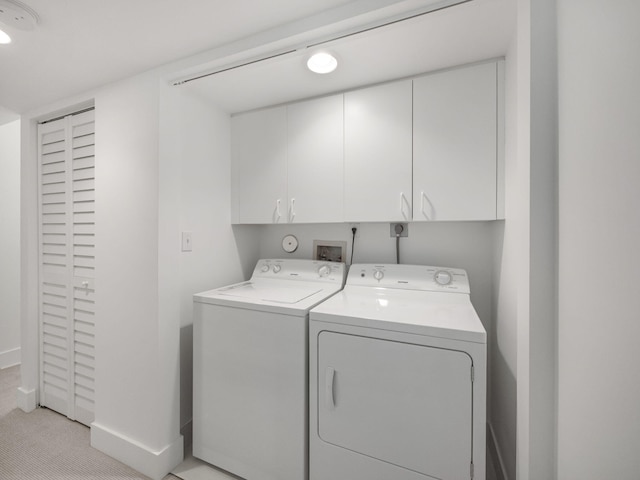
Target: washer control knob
442	277
264	268
276	268
378	274
324	270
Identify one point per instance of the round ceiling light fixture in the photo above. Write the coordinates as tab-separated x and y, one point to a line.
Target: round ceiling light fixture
322	62
15	14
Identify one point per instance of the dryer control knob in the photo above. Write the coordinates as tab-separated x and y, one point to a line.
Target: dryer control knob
324	270
276	268
442	277
378	274
264	268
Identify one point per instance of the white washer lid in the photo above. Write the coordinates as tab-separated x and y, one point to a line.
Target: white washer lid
286	297
436	314
269	293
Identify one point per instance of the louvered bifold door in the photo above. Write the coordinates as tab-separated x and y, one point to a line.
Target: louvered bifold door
67	270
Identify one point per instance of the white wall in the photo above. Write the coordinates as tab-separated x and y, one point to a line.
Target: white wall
195	197
599	251
10	244
136	353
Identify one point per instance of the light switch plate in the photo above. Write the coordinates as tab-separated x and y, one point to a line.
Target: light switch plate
187	242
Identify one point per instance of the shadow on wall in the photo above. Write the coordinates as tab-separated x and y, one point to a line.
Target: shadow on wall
247	239
186	381
502	401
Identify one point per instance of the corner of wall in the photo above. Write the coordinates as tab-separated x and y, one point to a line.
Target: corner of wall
154	464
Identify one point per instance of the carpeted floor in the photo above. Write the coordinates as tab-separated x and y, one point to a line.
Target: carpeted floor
43	445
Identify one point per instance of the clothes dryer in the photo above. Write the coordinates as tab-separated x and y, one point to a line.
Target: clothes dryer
398	377
250	372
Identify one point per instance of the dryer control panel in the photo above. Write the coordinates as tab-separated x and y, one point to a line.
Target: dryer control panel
409	277
303	270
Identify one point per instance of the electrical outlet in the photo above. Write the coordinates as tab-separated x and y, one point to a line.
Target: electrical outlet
403	233
357	227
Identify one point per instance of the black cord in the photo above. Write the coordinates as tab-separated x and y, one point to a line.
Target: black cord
399	229
353	243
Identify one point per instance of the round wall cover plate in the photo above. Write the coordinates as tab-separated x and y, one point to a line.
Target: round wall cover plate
289	243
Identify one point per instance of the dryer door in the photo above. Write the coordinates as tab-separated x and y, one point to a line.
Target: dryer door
405	404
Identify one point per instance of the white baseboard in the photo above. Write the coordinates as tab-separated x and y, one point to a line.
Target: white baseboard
496	456
26	399
154	464
10	358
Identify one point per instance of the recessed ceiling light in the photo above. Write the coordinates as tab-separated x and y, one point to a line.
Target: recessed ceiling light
4	38
322	62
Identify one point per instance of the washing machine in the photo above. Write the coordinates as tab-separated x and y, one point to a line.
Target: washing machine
250	368
397	385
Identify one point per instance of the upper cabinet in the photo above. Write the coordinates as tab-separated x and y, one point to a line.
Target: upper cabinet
287	163
455	132
377	144
315	134
259	166
422	149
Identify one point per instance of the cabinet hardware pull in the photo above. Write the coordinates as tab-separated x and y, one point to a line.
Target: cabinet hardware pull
278	214
423	197
293	209
403	201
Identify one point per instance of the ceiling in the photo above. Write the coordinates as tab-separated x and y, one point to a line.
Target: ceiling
465	33
80	45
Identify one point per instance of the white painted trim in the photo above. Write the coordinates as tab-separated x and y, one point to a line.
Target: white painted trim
26	399
154	464
496	456
10	358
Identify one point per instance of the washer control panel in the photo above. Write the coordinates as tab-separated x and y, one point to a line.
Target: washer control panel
409	277
304	270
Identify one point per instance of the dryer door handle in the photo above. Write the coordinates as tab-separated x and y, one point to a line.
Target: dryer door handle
329	377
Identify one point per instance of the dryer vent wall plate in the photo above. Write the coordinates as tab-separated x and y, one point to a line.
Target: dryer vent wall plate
18	15
329	251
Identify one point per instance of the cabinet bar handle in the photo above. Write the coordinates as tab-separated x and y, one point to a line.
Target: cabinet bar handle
403	201
328	388
278	214
423	197
293	209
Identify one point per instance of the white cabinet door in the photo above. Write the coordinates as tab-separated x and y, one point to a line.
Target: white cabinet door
259	159
315	160
378	153
454	144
